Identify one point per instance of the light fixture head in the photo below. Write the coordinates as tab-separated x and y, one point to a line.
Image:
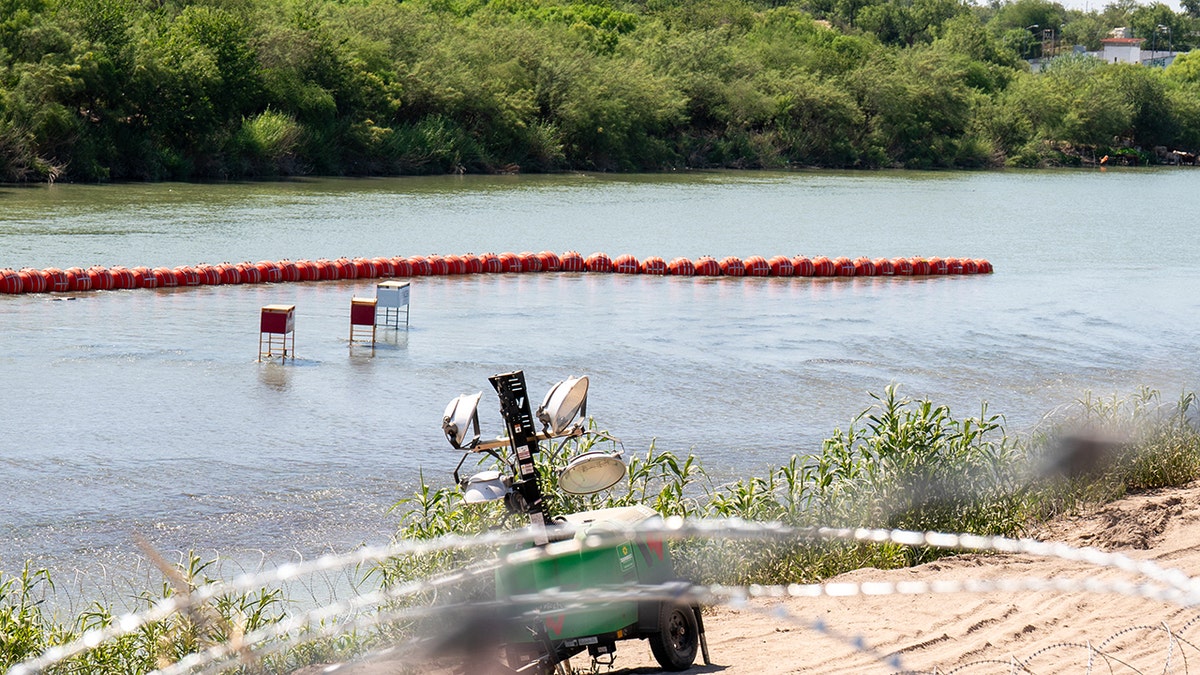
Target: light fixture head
591	472
485	486
563	403
461	414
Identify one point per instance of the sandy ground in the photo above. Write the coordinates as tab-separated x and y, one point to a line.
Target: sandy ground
972	633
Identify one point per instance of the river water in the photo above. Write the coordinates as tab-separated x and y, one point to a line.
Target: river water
146	411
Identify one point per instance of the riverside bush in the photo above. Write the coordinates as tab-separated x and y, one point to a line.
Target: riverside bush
125	90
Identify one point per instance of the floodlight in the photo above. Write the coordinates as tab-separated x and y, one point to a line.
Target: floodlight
562	404
591	472
461	414
484	486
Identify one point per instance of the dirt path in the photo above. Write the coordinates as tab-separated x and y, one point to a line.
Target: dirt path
1045	632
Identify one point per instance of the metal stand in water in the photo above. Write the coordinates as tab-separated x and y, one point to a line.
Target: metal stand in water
675	630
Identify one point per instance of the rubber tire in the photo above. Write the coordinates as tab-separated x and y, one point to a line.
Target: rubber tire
674	645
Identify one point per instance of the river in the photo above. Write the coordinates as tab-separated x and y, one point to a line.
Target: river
146	411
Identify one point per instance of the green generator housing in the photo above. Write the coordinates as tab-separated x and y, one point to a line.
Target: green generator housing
596	627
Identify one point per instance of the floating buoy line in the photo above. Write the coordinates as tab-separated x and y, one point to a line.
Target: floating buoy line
98	278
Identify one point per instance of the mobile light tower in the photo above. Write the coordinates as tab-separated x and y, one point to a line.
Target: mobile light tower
544	636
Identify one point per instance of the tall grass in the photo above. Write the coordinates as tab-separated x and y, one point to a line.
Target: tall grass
901	463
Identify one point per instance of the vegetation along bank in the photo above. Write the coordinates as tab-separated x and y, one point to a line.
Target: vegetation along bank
173	89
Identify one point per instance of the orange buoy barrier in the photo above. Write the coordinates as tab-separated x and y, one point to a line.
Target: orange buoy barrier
598	262
626	264
52	279
572	261
653	265
682	267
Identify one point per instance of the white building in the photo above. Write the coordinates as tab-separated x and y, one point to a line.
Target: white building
1121	49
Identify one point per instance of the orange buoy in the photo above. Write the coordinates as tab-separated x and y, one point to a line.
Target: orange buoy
864	268
269	271
164	277
803	267
345	268
598	262
843	267
248	273
884	267
402	266
364	269
510	263
209	276
757	266
438	265
288	271
822	267
122	278
681	267
56	280
985	267
732	266
954	266
188	276
102	278
530	262
455	265
143	277
472	264
32	280
572	261
420	266
970	266
78	279
903	267
781	266
937	266
550	261
10	282
626	264
491	263
653	265
385	267
920	267
707	266
229	273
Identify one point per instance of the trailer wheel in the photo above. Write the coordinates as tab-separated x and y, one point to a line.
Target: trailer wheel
674	645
